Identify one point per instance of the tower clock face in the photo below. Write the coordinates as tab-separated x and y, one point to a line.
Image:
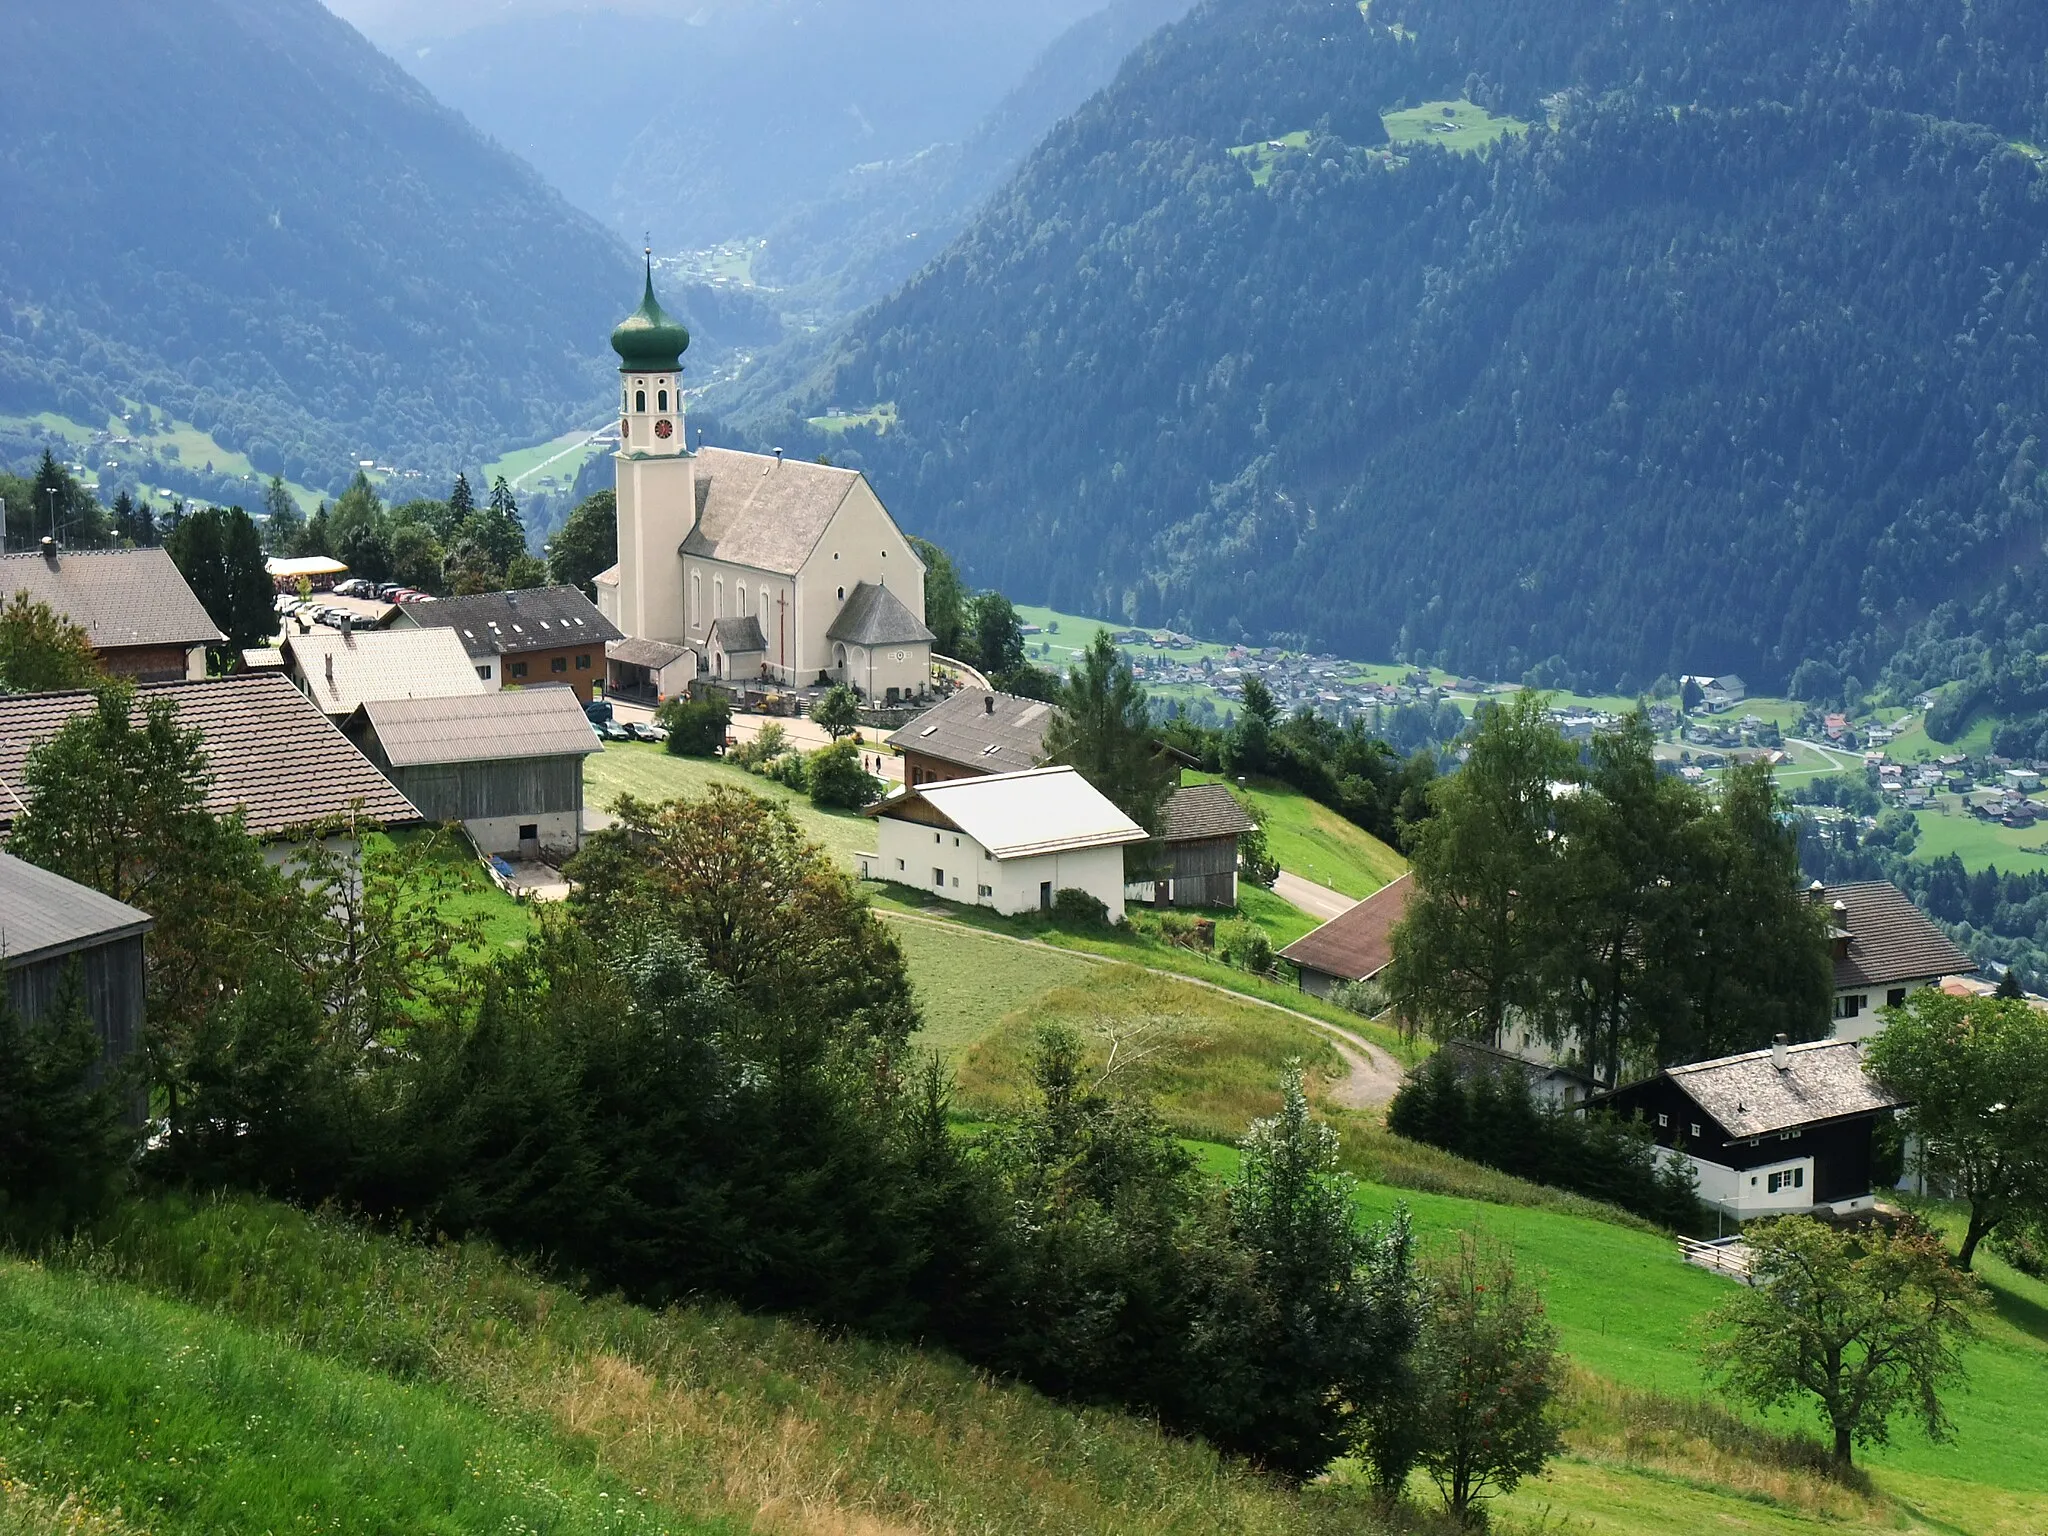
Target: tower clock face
664	429
625	429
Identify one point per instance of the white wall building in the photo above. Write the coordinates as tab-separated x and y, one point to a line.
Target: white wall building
1010	841
806	551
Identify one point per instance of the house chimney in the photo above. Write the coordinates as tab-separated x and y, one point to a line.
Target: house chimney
1779	1053
49	546
348	626
988	705
778	455
1842	915
330	669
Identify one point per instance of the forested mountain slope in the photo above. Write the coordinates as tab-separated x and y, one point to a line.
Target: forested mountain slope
241	213
1732	359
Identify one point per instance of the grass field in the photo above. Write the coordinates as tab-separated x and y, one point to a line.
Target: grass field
880	417
348	1366
638	768
968	982
553	465
1314	842
1265	156
506	923
1456	125
1981	844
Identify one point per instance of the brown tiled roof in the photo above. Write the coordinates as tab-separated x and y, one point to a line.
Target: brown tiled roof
119	597
764	512
273	755
485	727
1890	939
1357	943
1750	1095
509	623
44	915
966	732
1202	811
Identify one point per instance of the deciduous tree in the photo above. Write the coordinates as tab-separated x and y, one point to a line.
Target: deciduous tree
1974	1075
838	711
41	650
587	543
1867	1324
945	597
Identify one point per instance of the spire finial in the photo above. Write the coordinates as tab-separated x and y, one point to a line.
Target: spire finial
650	263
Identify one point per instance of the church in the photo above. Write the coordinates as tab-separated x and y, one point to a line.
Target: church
748	568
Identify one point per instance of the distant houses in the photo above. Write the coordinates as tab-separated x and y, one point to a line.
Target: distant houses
143	619
539	635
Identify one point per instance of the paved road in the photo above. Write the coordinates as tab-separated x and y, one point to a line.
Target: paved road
1318	901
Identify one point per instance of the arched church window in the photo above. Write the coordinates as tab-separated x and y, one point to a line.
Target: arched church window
639	399
696	598
740	597
718	597
842	594
662	401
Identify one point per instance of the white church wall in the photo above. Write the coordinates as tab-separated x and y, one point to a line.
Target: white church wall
863	544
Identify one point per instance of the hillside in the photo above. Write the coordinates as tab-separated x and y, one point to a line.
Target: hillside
1710	342
319	264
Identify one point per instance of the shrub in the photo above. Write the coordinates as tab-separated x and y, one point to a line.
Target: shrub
840	780
838	711
1366	997
766	746
1245	945
1071	904
696	727
790	771
64	1146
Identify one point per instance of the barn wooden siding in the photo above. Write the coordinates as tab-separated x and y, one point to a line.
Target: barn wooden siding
527	786
110	984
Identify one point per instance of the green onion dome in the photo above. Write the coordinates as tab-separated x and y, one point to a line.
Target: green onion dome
647	340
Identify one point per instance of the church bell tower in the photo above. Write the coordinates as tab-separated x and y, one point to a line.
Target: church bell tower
656	475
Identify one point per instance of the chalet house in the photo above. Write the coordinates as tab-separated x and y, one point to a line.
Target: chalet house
1010	841
1770	1132
1195	860
514	639
1550	1082
144	621
272	755
507	766
1884	949
973	734
48	927
1356	945
342	670
807	551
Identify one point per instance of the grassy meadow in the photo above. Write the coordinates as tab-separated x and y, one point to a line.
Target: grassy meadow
1455	125
1309	839
648	771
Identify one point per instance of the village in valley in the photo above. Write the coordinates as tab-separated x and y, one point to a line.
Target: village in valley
1235	885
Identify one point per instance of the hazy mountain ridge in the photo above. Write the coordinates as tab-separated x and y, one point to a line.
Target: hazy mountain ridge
321	261
1732	363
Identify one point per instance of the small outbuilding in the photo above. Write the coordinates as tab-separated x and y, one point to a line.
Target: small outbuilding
973	734
650	671
1196	856
508	766
879	646
52	929
1009	841
738	650
1356	945
1772	1132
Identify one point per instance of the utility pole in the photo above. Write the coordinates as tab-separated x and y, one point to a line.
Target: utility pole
51	492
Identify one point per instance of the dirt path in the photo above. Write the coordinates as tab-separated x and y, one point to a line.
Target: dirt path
1373	1075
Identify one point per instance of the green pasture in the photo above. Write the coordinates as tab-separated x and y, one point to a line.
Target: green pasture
648	771
185	1422
1455	125
1309	839
506	922
880	417
1264	156
968	982
1980	844
552	465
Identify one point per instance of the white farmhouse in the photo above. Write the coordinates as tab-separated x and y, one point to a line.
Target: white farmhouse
763	568
1010	841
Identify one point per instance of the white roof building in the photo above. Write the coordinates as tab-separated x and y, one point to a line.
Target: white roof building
1011	841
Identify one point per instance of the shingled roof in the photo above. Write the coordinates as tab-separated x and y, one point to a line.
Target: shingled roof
1889	939
1752	1095
983	731
1358	942
1202	811
343	672
768	513
271	752
873	615
43	916
512	623
739	637
487	727
119	597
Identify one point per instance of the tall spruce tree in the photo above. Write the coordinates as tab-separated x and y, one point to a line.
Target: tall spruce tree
1104	730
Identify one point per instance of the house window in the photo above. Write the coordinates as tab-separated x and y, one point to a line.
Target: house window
1849	1007
583	662
939	878
956	842
899	863
938	837
519	669
984	891
1791	1178
842	594
484	673
956	882
530	832
559	664
1663	1122
1895	998
1695	1131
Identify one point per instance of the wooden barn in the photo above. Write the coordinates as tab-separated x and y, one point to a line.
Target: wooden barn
49	927
1195	855
508	766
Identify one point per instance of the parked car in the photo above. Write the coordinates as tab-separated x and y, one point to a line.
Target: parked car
387	591
611	730
597	711
642	731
